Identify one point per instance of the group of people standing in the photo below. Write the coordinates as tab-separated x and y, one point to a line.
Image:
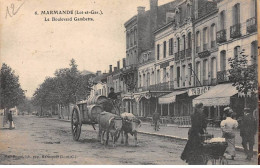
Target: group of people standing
248	128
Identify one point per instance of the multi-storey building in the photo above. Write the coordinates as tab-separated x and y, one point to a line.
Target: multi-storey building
174	46
140	48
236	31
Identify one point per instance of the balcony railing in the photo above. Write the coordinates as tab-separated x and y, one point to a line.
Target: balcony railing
182	54
188	53
214	81
251	25
197	49
221	36
205	47
165	86
205	82
222	76
177	56
235	31
213	44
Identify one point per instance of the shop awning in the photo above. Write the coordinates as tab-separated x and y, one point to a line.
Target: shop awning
170	98
217	96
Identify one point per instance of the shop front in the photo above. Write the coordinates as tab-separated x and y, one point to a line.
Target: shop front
216	99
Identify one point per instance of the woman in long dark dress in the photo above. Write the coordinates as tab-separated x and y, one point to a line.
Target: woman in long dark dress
193	149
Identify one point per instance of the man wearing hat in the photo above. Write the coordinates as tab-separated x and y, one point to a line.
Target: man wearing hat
228	127
248	130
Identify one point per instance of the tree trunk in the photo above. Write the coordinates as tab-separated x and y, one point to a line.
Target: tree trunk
245	102
68	112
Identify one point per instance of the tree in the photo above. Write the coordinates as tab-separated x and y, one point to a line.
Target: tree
244	75
10	88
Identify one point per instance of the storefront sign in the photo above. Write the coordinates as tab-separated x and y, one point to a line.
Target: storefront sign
198	90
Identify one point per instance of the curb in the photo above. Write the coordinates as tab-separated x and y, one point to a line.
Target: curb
238	148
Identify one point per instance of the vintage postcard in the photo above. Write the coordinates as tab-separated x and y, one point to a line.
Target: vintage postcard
140	82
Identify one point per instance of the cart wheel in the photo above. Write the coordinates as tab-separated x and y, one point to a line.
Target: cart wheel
75	124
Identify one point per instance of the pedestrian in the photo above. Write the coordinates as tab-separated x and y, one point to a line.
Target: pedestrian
10	119
193	149
248	130
228	127
156	119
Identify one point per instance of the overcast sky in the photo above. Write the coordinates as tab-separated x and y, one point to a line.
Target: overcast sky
35	48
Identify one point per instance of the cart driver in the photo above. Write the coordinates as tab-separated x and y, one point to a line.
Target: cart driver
112	95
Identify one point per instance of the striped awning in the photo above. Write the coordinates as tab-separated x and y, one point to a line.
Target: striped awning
170	98
217	96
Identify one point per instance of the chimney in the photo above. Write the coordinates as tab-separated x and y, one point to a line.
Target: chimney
140	9
153	19
98	73
110	68
118	64
124	65
115	68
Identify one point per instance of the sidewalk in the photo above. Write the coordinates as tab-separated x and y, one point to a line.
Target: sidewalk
173	131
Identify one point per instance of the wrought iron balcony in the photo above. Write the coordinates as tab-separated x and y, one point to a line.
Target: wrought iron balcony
205	82
188	53
221	36
213	44
251	25
182	54
235	31
177	56
222	76
214	81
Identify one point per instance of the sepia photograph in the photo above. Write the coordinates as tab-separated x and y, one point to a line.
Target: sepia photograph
140	82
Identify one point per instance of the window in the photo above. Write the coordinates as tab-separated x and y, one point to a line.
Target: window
236	14
164	49
213	68
158	51
140	81
253	8
236	51
148	79
183	42
205	69
223	60
188	10
178	76
171	73
197	41
189	72
178	44
222	20
171	46
164	75
152	79
158	76
189	40
205	38
183	74
127	40
254	51
135	35
213	35
144	84
198	71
